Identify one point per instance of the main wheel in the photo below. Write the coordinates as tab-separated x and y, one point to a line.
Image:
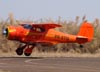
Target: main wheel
19	51
28	51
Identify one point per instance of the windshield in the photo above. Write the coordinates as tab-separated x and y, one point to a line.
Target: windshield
27	26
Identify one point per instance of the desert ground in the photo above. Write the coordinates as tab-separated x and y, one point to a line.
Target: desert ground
42	64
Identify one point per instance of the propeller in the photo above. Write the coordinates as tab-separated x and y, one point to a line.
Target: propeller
4	27
9	21
5	32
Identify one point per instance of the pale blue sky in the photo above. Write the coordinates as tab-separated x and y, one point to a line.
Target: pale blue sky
37	9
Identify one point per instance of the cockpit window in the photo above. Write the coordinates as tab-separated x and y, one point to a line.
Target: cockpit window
27	26
38	29
35	29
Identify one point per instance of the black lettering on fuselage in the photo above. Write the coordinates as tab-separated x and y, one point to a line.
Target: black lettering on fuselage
61	37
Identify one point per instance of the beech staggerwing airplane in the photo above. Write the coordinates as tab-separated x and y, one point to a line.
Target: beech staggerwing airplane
45	35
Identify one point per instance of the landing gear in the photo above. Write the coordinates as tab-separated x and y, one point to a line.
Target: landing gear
19	51
27	49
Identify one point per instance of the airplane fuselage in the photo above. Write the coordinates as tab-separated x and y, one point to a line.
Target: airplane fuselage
26	35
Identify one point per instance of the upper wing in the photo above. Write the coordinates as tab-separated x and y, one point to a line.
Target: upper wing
45	25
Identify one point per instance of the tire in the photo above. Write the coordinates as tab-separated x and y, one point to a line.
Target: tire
27	54
19	51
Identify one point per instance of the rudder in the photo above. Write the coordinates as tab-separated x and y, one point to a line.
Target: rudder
86	30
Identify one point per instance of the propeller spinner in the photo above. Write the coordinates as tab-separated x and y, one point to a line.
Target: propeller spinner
5	31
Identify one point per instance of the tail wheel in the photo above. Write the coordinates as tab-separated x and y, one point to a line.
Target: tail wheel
81	46
19	51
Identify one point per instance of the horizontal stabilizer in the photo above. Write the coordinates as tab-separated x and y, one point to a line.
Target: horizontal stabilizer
81	39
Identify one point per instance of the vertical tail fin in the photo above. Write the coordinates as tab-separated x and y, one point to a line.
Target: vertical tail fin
86	33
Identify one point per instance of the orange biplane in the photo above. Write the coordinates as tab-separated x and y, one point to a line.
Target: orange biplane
44	34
